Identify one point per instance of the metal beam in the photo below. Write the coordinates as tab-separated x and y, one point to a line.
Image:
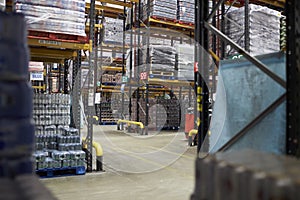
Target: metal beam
276	3
252	59
249	126
101	8
90	98
48	60
52	53
115	2
171	24
57	44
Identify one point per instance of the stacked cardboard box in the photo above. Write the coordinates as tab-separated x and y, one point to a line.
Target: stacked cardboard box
264	29
59	16
186	11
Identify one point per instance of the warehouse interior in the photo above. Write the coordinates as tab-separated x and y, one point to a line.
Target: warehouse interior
149	99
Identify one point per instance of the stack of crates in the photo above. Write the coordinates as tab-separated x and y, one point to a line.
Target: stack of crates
16	127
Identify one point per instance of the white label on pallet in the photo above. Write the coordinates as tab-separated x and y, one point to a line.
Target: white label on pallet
97	98
36	76
91	99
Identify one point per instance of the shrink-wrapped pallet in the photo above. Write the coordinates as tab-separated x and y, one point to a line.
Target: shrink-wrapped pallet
186	11
161	9
59	16
264	29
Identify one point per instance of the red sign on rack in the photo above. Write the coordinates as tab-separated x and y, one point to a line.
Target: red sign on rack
196	67
144	76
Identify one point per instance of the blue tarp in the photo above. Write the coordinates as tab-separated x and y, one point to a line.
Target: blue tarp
243	92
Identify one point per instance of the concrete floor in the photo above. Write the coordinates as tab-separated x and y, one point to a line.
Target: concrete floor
157	166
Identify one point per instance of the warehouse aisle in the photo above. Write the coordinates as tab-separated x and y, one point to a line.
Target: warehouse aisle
135	168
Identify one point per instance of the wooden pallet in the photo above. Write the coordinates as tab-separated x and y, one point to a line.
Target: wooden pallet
163	73
164	19
169	128
186	23
64	171
108	123
57	37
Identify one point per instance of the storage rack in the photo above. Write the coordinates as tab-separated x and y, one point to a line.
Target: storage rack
98	10
204	27
144	29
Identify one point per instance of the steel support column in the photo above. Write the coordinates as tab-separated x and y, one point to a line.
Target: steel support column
66	73
138	60
123	66
76	92
293	78
223	44
148	68
91	91
202	47
130	65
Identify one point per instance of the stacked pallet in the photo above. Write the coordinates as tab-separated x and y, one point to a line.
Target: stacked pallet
264	30
163	113
111	78
47	16
185	54
58	151
113	31
51	110
172	110
186	11
162	58
57	146
106	113
161	9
